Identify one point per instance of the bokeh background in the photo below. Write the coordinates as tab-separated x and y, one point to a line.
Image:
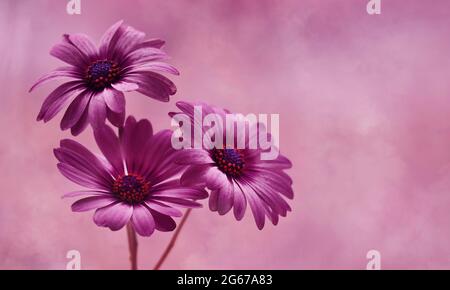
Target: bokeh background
364	104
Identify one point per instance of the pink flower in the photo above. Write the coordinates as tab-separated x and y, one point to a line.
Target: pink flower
124	62
237	177
136	180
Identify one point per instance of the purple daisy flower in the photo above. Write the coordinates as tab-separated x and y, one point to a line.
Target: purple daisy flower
237	177
125	61
136	181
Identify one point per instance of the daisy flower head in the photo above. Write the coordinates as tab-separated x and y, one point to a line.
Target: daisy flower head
135	181
236	175
98	77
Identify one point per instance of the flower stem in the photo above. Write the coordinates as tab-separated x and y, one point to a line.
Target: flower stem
132	246
172	241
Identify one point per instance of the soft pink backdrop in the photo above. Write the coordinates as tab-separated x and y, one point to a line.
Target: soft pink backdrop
364	107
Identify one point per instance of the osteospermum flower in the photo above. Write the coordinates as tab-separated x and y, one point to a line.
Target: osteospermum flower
136	180
237	177
125	61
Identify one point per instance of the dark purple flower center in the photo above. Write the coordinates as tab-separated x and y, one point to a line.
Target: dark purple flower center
229	161
131	188
102	74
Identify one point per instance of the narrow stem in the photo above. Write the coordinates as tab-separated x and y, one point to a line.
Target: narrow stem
132	246
172	241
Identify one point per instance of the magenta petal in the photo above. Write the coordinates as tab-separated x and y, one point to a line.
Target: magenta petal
155	66
79	177
115	100
135	137
143	55
215	178
91	170
143	221
57	99
181	192
92	202
128	42
75	110
69	54
85	193
114	216
181	202
195	175
125	86
97	111
226	198
116	119
194	156
213	200
110	38
82	123
109	144
240	203
59	73
163	209
84	44
163	222
154	85
157	43
255	205
83	155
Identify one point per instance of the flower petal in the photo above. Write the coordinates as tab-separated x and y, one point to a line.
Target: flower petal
195	175
109	144
85	193
194	157
97	111
163	209
163	222
92	202
125	87
215	178
84	44
240	203
115	100
69	54
57	99
62	72
79	177
82	123
75	110
80	157
114	216
110	38
116	119
225	199
142	220
154	85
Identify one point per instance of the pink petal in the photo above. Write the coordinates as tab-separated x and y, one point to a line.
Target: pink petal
115	100
57	99
108	142
97	111
75	110
84	44
63	72
92	202
143	221
125	87
114	216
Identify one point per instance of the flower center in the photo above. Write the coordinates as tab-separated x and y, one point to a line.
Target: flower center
229	161
131	188
101	74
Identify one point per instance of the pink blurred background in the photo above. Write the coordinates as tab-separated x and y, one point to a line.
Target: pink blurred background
364	110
